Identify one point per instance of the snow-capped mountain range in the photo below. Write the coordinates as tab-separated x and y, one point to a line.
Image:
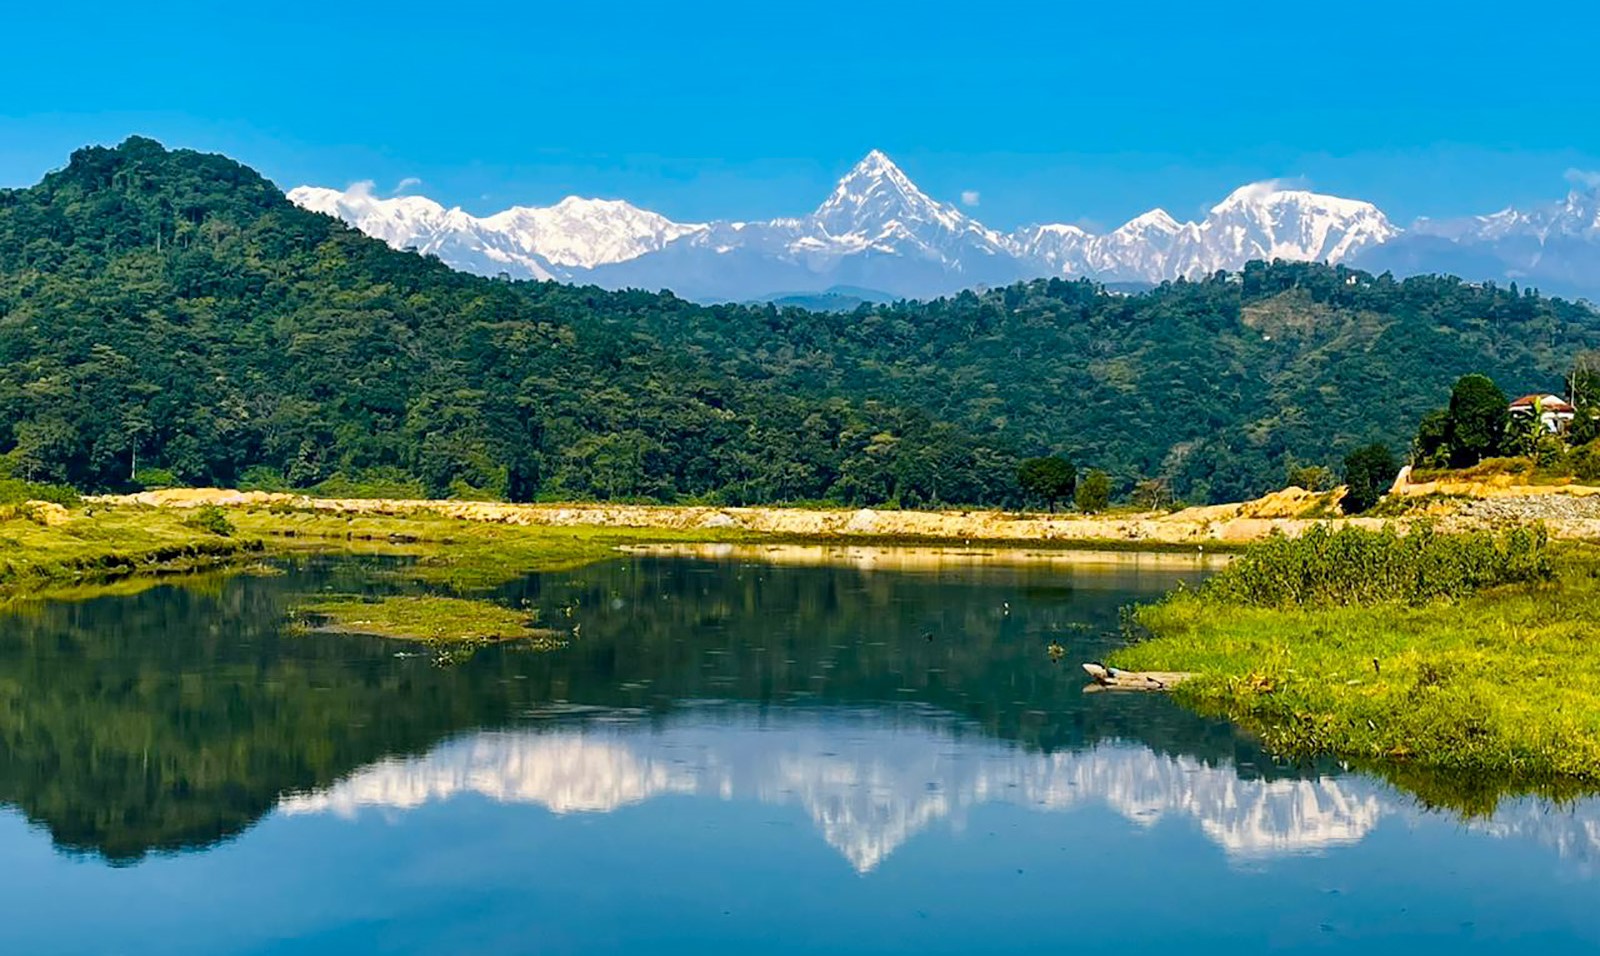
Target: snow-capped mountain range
878	231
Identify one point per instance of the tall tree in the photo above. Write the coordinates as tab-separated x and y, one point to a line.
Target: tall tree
1048	479
1478	418
1368	473
1094	492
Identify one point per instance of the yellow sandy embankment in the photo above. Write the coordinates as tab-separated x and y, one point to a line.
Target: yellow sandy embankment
1282	511
1486	486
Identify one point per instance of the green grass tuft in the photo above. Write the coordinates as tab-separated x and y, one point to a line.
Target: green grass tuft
1501	682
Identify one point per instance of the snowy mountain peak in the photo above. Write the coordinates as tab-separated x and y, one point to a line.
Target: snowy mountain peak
874	191
876	207
1156	220
586	233
1266	221
1271	195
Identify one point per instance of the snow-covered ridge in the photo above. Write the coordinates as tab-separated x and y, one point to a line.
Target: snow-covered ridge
878	230
526	241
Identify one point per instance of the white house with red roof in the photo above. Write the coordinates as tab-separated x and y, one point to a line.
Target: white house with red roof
1554	411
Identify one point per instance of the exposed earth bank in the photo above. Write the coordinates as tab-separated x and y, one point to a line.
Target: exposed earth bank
1234	523
1569	512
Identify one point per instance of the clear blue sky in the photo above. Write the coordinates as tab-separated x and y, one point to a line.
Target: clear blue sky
1049	111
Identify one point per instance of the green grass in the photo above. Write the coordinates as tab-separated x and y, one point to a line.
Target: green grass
78	546
463	555
1503	684
428	618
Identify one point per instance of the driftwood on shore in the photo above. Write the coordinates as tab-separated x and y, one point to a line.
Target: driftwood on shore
1111	678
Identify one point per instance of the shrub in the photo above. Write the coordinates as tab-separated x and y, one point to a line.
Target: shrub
1094	492
1368	473
373	483
263	478
152	478
212	520
1585	462
1311	477
1354	566
14	491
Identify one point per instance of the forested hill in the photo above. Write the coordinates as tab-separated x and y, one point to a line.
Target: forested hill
172	312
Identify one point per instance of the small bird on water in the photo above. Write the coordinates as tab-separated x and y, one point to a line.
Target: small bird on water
1055	650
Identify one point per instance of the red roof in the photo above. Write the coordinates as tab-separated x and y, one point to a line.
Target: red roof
1548	402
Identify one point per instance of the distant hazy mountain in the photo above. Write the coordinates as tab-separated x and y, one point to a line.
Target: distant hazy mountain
878	231
1555	247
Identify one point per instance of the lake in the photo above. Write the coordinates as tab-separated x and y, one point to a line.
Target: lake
738	750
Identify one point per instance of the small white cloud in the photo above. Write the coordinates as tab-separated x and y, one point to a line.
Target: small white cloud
408	183
970	197
1266	187
1587	178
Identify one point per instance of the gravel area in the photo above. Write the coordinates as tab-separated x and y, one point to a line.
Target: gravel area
1548	508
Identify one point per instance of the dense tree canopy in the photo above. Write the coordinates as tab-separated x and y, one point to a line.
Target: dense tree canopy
170	315
1048	479
1369	471
1476	422
1094	492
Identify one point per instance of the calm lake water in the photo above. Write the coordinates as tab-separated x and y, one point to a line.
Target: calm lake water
733	755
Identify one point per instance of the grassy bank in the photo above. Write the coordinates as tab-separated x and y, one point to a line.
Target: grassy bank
51	546
461	554
1467	656
48	547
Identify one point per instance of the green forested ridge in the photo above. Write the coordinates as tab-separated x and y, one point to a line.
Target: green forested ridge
172	310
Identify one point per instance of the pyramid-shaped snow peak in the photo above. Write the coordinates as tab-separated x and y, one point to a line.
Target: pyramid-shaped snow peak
875	195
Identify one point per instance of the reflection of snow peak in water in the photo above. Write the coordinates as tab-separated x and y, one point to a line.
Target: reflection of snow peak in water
871	783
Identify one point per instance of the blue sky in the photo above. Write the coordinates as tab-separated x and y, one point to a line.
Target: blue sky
1048	111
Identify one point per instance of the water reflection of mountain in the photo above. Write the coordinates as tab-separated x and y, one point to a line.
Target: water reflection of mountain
176	717
869	782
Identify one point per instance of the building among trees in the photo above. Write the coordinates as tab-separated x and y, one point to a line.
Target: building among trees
1555	412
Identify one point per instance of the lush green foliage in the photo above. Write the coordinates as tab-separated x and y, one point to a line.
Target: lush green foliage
1312	477
108	544
1478	436
1094	492
212	520
171	314
1368	473
13	491
1500	687
1048	479
1353	566
1476	422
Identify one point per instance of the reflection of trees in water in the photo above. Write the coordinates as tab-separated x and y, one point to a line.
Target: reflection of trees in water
174	718
971	642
